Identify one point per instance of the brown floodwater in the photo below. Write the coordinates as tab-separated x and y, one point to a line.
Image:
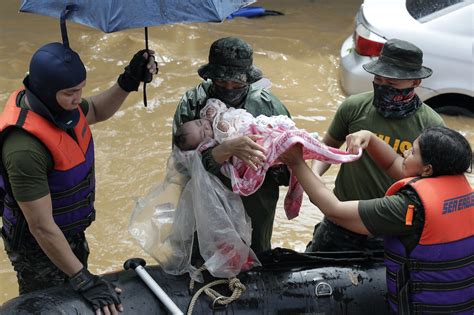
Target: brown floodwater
298	52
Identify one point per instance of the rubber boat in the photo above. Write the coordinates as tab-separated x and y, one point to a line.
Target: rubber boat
287	283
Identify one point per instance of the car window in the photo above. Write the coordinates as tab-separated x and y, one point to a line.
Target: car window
420	9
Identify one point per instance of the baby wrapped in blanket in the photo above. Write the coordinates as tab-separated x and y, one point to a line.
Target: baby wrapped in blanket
219	123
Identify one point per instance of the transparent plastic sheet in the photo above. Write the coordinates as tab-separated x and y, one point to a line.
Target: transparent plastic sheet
164	221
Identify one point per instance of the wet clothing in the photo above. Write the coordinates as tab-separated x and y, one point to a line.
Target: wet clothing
35	271
389	219
64	163
362	179
261	205
386	216
22	154
435	276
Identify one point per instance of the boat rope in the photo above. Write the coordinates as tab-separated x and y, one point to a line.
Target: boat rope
235	286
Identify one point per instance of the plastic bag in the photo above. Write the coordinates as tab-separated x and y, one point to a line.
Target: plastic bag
164	221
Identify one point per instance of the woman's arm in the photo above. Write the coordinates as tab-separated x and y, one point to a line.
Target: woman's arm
382	153
320	167
345	214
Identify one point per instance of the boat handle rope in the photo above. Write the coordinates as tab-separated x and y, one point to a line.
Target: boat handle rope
235	286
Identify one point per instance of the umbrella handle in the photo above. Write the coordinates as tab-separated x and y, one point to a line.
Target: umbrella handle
137	264
62	22
148	76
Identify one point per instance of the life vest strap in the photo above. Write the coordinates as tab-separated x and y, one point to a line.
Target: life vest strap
86	222
430	266
442	286
420	308
71	191
403	289
77	205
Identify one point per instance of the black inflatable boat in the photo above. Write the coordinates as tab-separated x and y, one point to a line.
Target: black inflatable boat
288	283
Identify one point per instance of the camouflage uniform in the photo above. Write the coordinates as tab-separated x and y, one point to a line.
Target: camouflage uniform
230	59
35	271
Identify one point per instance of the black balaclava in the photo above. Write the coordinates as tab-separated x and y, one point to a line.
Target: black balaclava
54	67
231	97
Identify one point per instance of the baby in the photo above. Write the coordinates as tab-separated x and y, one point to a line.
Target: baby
277	134
221	123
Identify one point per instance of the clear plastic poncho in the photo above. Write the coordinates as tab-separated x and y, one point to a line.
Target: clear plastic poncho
191	199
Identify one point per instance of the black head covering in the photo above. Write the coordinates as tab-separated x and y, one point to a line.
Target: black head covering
231	59
54	67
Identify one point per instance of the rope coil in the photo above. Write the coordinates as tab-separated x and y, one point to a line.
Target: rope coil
235	286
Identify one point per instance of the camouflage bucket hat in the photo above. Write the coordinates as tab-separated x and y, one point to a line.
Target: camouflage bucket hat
230	59
399	60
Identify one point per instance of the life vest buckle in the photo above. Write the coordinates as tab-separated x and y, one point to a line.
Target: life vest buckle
6	240
91	217
414	265
90	197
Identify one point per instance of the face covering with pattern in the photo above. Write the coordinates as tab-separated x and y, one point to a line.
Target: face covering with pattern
395	103
230	97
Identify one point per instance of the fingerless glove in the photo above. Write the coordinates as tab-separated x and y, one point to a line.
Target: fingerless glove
97	291
135	72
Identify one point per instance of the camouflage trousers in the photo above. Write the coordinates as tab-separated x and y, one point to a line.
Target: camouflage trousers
35	271
329	237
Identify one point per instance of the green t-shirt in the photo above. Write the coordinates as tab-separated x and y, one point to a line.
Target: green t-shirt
261	205
386	216
27	161
362	179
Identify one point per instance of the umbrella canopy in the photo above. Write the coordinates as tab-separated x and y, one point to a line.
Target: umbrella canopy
115	15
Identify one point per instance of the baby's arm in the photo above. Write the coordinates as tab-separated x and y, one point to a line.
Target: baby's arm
223	126
212	108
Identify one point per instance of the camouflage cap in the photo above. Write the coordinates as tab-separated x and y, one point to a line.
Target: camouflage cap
399	59
230	59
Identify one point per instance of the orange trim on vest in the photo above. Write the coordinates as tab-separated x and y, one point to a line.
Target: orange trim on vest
449	207
409	216
66	152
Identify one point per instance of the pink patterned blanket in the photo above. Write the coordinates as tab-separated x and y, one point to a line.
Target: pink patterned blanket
245	181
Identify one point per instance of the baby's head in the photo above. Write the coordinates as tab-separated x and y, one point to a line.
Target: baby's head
189	135
446	150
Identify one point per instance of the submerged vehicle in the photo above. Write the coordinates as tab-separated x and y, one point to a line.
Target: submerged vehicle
287	283
442	29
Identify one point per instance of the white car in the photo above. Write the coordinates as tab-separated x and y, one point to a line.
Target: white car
443	29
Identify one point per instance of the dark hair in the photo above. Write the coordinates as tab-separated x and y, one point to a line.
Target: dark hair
180	138
448	152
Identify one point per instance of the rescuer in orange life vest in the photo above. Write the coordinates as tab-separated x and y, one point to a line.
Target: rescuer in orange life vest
47	169
426	218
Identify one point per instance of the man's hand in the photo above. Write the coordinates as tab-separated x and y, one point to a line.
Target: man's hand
101	294
245	148
141	68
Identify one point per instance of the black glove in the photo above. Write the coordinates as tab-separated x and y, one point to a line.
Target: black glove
135	72
94	289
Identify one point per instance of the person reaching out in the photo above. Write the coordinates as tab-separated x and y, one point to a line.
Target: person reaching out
426	218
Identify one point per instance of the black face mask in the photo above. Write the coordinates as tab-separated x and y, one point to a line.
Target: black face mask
232	97
395	103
